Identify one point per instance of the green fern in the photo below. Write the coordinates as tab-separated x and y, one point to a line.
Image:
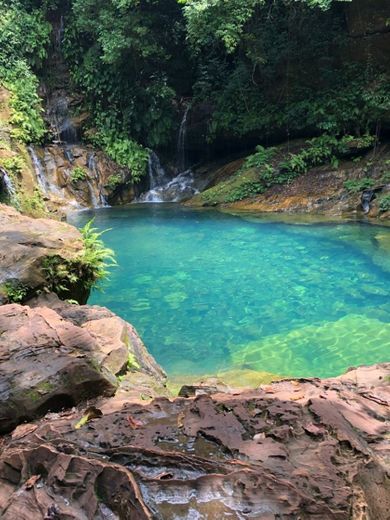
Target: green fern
96	257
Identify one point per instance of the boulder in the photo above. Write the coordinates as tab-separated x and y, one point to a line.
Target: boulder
118	343
301	448
25	244
54	358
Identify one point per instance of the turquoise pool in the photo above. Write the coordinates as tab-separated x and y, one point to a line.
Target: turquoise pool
209	291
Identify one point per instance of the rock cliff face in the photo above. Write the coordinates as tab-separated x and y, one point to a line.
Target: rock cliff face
57	177
368	27
76	176
293	449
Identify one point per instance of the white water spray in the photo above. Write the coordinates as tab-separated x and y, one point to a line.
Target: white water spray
162	187
8	184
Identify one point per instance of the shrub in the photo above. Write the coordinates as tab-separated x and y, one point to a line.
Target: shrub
125	152
26	108
32	205
15	291
85	271
78	174
114	181
386	177
259	158
384	203
244	191
24	36
13	165
357	185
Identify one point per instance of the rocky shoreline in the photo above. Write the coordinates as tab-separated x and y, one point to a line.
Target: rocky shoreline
321	191
293	449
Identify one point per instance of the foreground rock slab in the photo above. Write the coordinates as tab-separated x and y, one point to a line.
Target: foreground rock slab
54	358
295	449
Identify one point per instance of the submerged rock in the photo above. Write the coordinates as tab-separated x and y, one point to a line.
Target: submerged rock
54	358
294	449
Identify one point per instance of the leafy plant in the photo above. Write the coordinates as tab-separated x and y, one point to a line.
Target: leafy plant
13	165
15	291
114	181
85	271
358	185
259	158
31	204
24	36
386	177
384	203
96	257
78	174
244	191
26	108
125	152
132	363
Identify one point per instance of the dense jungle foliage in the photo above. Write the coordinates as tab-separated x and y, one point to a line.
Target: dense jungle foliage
258	69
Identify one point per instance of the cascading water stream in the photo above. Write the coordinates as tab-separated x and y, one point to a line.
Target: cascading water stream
163	188
157	174
59	34
92	195
101	201
181	143
46	185
8	184
158	180
39	170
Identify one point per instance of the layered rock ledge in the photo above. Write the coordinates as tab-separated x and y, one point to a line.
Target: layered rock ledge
294	449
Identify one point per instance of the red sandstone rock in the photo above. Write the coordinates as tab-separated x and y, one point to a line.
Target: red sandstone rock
56	358
255	454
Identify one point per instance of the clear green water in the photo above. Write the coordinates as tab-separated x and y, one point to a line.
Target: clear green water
209	291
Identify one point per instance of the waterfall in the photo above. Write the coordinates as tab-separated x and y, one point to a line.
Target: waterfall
58	114
8	185
39	170
43	180
157	179
157	174
93	167
68	154
59	34
92	196
181	142
163	188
